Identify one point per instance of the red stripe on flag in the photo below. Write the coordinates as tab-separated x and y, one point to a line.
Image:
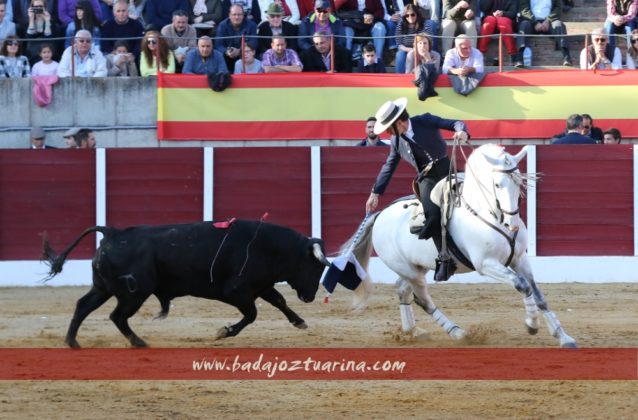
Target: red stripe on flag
535	78
319	364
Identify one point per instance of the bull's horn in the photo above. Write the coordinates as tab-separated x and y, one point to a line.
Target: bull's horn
318	253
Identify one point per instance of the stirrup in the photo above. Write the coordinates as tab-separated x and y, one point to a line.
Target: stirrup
445	268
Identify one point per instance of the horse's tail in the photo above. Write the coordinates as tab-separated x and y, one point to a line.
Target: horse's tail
362	250
56	262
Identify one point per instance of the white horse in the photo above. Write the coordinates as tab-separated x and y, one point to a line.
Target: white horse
486	226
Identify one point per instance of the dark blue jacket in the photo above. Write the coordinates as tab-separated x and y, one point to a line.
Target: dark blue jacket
574	138
427	135
215	63
225	30
307	30
159	13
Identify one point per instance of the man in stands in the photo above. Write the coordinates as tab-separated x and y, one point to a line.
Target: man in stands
574	136
319	57
122	27
180	36
600	55
371	138
204	59
541	17
279	59
38	137
321	21
230	32
275	25
86	139
463	60
87	61
459	16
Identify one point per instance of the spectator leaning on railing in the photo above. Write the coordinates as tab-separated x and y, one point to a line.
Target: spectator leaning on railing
204	59
279	59
12	63
154	46
230	32
632	50
121	62
83	60
600	55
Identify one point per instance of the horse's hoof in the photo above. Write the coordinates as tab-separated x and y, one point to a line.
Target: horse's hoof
531	330
457	333
569	345
301	325
221	333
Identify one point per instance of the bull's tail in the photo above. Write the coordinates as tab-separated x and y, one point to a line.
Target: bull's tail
56	262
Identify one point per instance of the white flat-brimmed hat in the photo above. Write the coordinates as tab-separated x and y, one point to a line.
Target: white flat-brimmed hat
388	113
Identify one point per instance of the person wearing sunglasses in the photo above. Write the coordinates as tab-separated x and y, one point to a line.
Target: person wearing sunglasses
632	50
321	21
154	46
81	59
12	63
600	55
542	17
621	18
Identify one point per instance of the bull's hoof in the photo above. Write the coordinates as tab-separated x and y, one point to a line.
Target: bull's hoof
138	342
221	333
161	315
301	325
531	330
72	343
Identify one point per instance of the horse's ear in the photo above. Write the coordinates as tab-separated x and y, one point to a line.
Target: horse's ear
520	155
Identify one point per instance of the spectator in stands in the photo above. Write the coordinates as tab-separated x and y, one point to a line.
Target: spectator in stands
38	138
204	59
410	24
8	10
69	138
180	36
371	138
206	13
46	66
122	27
84	61
612	136
86	139
463	60
121	62
12	63
21	14
306	8
252	64
589	130
632	50
135	9
39	28
600	55
85	18
459	16
321	20
230	32
289	7
574	136
499	16
542	17
369	62
621	18
275	25
67	11
318	58
7	27
158	13
154	44
424	54
280	59
107	9
362	19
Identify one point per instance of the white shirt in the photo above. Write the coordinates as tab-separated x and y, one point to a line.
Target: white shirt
92	65
540	8
453	60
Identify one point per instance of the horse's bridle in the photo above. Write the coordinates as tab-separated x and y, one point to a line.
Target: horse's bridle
498	203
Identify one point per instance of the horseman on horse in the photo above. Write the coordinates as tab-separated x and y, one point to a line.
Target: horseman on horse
419	142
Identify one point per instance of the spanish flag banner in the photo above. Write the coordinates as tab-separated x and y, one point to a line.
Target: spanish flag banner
307	106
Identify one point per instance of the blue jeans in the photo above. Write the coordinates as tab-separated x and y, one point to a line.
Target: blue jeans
400	61
392	30
378	33
613	30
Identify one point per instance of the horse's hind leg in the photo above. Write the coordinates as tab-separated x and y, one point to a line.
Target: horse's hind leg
424	300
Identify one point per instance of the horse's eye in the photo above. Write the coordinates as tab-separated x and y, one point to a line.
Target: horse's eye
497	186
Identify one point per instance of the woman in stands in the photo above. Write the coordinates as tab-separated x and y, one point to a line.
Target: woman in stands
12	64
39	30
85	18
153	46
410	24
424	54
632	51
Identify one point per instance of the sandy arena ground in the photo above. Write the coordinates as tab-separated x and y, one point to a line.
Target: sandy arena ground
596	315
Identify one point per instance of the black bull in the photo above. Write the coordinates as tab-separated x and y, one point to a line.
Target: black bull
234	265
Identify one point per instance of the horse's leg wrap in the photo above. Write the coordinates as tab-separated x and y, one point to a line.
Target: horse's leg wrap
407	318
531	311
450	327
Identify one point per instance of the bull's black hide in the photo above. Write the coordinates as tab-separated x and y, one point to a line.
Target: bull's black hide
235	265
